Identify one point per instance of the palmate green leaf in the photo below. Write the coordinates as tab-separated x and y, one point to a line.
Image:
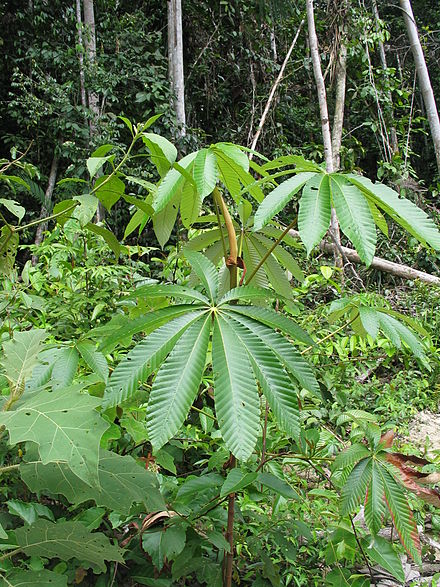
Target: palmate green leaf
381	551
64	368
205	271
94	359
8	250
283	349
278	198
177	383
275	320
370	321
375	503
397	332
165	543
234	172
145	358
145	324
205	172
235	391
164	220
205	239
314	212
67	540
65	426
246	292
272	378
236	481
402	211
282	256
355	488
190	204
274	272
20	356
350	456
122	482
108	190
401	514
43	578
107	235
172	184
160	290
163	153
355	218
251	260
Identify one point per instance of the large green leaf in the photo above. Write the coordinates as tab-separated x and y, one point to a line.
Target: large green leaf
282	256
233	165
355	488
251	260
122	482
314	210
236	481
284	350
171	184
274	272
177	383
272	378
397	332
205	271
108	190
350	456
94	359
160	290
402	211
235	391
8	250
355	218
190	204
205	172
246	292
145	324
278	198
43	578
67	540
165	543
381	551
65	426
20	356
401	514
275	320
145	358
375	504
163	153
107	235
165	218
64	368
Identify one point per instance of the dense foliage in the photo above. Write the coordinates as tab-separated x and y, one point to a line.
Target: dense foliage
190	393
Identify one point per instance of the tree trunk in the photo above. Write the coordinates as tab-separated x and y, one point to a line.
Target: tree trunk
47	204
274	89
175	62
338	118
396	269
423	76
80	56
90	49
325	123
383	59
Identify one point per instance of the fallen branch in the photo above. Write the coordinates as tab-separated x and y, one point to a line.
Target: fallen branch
396	269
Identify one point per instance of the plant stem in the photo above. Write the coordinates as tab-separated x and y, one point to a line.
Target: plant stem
269	252
231	261
309	348
40	220
227	580
8	468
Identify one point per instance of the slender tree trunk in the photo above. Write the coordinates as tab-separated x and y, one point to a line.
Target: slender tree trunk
82	81
338	118
325	122
90	49
274	89
47	204
423	76
175	62
383	59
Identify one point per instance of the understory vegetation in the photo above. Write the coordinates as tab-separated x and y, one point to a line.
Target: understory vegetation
199	385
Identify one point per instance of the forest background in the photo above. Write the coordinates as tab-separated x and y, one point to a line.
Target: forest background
76	80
